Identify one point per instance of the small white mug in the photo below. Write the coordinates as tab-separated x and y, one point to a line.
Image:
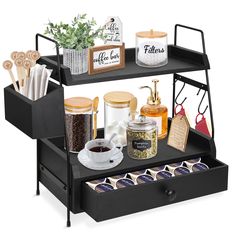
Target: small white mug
109	155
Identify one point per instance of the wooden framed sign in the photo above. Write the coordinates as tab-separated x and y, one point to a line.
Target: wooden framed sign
106	58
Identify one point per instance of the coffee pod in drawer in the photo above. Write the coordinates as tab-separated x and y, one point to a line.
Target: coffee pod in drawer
164	174
199	167
122	183
181	171
142	179
113	179
153	171
94	183
104	187
191	162
173	166
134	174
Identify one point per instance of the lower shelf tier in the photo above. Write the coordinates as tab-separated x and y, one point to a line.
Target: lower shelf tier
53	172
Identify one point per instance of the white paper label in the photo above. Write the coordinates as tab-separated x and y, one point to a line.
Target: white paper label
113	31
106	58
159	124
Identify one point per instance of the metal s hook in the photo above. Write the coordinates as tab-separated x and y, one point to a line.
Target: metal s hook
179	94
202	113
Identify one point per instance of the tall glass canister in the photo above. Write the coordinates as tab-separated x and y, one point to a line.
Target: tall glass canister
117	111
79	122
151	48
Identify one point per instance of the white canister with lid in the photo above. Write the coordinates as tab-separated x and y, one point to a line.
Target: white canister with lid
151	48
119	107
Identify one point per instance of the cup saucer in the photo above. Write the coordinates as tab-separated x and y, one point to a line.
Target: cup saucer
87	162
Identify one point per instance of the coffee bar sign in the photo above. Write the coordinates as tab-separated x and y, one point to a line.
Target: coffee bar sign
106	58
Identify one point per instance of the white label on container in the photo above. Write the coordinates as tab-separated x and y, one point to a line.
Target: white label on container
106	58
152	53
159	123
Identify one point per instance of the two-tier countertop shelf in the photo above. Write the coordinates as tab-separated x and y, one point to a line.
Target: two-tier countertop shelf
61	172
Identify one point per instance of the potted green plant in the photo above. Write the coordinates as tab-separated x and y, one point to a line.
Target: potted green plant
75	39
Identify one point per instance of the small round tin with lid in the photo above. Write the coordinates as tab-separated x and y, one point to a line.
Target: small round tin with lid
142	179
117	113
181	171
164	174
142	138
79	122
199	167
151	48
154	170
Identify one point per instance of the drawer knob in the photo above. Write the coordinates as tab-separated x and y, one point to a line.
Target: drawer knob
171	194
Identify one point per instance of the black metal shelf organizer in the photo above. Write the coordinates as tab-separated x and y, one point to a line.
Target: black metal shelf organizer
60	171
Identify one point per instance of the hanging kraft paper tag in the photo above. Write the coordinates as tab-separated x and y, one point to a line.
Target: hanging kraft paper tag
113	31
179	131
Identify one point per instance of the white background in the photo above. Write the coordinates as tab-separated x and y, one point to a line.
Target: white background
22	212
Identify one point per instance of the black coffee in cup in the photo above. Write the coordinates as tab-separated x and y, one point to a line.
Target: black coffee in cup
99	149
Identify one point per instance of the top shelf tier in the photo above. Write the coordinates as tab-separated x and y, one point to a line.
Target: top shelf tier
179	60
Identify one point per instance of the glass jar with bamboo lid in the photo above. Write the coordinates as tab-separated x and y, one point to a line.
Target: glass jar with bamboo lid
151	48
80	125
119	108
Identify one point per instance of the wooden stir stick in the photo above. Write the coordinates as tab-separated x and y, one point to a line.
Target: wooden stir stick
35	55
14	55
20	55
27	65
19	69
28	54
95	110
8	66
133	107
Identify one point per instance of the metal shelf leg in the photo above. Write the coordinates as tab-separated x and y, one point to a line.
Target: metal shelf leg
37	172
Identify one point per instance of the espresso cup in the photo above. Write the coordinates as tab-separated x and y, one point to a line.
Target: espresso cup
104	156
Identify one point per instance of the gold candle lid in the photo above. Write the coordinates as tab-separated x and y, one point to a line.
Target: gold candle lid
151	34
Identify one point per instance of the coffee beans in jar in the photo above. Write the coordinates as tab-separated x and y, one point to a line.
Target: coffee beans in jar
142	138
79	122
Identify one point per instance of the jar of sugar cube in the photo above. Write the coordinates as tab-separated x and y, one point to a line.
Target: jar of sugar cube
151	48
117	113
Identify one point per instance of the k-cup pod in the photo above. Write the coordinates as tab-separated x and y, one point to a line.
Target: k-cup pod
173	166
191	162
114	179
134	174
164	174
122	183
153	171
181	171
94	183
142	179
104	187
199	167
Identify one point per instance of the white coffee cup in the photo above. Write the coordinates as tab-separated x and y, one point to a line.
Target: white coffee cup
109	155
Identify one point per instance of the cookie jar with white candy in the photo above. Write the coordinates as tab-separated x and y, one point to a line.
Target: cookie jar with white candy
151	48
119	108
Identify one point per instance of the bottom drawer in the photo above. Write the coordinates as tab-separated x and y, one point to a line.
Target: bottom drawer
107	205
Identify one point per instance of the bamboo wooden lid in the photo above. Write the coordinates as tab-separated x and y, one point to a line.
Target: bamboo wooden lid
151	34
78	103
118	97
